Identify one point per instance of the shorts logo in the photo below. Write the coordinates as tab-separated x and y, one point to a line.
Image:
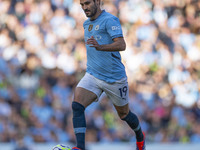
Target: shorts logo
90	27
116	27
97	27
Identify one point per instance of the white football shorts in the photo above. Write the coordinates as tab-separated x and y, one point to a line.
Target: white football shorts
117	92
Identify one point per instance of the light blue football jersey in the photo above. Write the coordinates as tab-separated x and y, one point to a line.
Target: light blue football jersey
104	65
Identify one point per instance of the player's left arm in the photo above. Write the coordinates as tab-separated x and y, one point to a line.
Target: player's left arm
117	45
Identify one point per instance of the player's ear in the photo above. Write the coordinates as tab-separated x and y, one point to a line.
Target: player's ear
98	2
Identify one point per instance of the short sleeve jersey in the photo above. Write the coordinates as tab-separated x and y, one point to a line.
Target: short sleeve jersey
104	65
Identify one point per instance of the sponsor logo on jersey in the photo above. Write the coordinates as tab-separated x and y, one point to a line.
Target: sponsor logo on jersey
90	27
98	37
116	27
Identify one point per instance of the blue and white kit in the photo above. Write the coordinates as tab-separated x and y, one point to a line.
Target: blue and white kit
105	70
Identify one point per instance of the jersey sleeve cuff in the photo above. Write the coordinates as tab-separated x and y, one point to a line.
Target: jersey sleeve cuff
117	36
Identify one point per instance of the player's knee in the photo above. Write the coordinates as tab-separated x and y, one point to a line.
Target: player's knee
122	115
77	109
77	96
130	117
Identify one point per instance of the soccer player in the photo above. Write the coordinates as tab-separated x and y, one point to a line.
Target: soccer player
105	72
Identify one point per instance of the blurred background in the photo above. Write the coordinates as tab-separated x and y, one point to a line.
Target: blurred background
43	57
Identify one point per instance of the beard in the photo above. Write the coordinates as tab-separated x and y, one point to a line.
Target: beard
91	12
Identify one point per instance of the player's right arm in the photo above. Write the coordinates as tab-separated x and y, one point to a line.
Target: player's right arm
113	28
117	45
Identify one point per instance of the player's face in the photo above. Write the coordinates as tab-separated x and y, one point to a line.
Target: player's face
89	7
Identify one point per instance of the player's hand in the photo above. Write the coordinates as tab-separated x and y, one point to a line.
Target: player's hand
93	43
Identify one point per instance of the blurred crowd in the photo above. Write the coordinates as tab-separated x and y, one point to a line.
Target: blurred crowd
43	56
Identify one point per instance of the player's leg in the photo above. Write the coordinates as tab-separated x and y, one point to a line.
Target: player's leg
131	119
84	96
82	99
118	93
86	92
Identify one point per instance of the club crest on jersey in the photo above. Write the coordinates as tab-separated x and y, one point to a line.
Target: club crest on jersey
90	27
97	27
